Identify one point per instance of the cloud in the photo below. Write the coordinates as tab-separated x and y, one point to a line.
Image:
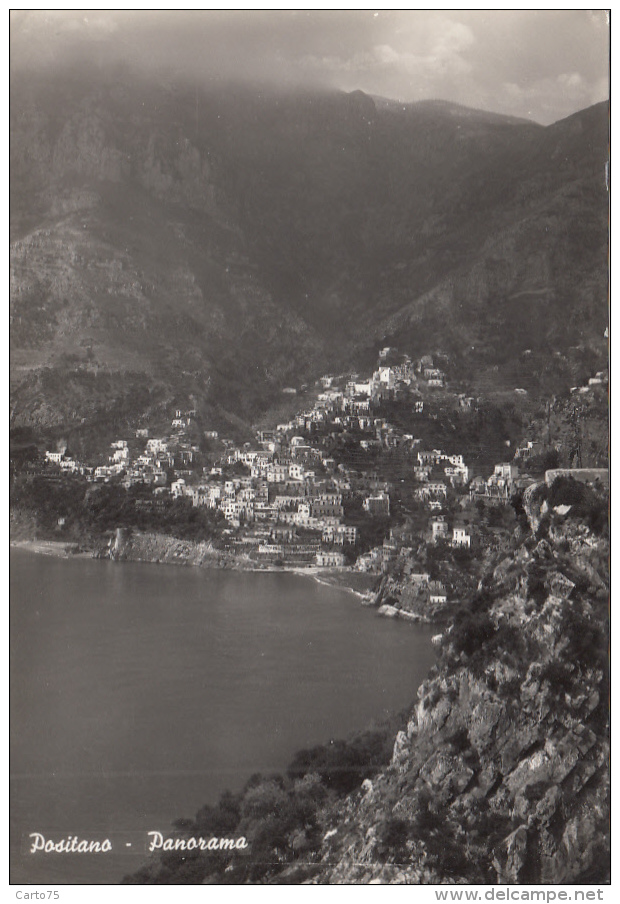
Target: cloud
454	37
541	63
571	80
513	90
386	54
564	94
420	58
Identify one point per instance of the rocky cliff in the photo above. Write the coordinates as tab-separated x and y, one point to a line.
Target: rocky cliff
501	774
138	546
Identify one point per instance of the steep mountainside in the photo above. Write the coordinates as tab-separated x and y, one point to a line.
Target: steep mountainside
172	241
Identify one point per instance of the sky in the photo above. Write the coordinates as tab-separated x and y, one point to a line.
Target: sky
539	64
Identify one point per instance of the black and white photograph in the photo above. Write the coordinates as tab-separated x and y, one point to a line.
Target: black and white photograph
309	450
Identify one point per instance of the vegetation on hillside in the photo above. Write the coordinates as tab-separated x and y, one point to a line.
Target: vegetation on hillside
280	816
273	238
77	511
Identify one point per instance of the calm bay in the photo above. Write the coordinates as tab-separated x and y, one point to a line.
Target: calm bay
141	692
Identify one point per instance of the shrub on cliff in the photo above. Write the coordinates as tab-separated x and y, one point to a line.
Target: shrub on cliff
278	815
516	501
443	841
279	818
567	491
559	675
97	508
536	586
545	461
542	531
595	514
585	637
343	765
587	505
392	837
221	818
482	600
49	500
470	631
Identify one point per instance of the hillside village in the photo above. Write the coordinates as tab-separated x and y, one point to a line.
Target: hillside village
341	486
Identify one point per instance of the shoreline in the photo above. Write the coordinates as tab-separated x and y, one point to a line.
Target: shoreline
57	548
317	576
326	577
70	550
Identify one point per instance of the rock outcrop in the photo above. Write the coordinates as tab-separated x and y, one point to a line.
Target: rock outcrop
136	546
502	772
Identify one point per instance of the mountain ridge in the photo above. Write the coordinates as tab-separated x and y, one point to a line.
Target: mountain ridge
267	238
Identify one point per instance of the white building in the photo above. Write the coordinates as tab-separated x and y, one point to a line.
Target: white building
156	445
506	471
385	377
330	559
340	534
439	528
177	487
460	537
438	596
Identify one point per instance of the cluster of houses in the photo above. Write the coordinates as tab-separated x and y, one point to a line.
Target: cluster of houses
498	488
289	502
284	496
388	381
440	532
420	585
601	378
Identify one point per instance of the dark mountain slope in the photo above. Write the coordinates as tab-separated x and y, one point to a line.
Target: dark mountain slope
221	243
